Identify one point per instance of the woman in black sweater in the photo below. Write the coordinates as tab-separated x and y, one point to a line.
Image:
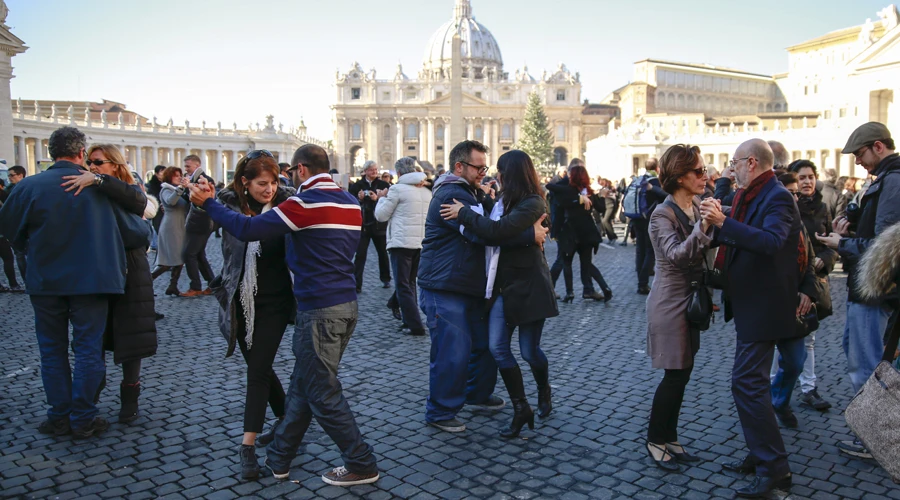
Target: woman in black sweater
519	287
256	299
579	234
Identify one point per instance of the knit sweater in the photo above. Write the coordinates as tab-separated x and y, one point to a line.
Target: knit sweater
324	222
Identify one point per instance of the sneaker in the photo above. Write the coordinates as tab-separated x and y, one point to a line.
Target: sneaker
384	284
451	425
249	465
340	476
854	448
279	474
493	403
813	400
55	427
95	427
787	418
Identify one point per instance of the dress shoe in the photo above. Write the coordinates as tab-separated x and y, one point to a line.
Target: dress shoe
395	312
680	454
667	462
761	486
643	290
607	295
743	466
593	295
787	417
385	284
568	298
813	400
192	293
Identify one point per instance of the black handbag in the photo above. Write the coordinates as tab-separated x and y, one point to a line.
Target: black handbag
700	305
808	323
823	301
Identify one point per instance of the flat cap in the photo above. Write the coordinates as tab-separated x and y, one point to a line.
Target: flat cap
865	135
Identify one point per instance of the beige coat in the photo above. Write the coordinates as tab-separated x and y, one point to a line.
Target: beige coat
680	250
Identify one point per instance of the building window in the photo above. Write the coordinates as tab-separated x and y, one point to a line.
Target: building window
478	95
410	148
827	114
386	96
387	132
560	95
505	148
412	131
506	131
409	95
440	148
355	93
356	132
560	132
805	90
439	133
842	113
479	133
506	96
815	89
438	95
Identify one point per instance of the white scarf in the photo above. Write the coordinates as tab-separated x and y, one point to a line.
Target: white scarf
492	254
249	285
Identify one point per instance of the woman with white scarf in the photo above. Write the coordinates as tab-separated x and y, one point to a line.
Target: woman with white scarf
256	298
519	289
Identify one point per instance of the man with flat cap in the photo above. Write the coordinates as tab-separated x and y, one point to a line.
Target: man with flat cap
878	210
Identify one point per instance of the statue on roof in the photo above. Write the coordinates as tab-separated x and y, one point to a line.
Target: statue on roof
867	33
4	11
889	17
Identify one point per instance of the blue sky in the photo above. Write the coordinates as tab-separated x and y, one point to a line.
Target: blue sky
237	61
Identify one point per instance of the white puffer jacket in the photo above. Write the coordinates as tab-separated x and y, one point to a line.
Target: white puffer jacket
404	209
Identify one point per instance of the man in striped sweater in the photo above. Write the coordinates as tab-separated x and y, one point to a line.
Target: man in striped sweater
324	223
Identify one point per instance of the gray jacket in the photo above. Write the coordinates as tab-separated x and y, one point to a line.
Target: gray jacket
225	286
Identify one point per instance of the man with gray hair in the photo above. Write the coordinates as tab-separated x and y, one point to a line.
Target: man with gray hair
404	207
76	260
782	157
366	191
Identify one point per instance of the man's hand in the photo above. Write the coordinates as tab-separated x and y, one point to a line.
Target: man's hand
818	264
201	191
832	240
841	226
361	195
540	232
185	182
382	192
373	195
805	304
711	212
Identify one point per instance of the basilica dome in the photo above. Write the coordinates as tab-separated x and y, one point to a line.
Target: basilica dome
480	53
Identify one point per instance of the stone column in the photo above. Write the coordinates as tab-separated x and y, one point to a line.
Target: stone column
447	146
139	161
154	156
423	145
220	169
492	156
517	134
575	140
399	134
22	157
470	129
372	139
429	155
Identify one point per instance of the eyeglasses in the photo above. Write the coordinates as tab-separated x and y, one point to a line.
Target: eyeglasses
699	172
480	169
96	163
794	192
292	169
861	151
735	161
252	155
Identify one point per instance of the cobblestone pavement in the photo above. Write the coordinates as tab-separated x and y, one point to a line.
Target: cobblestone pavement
185	445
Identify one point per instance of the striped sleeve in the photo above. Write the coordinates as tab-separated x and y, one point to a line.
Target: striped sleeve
300	214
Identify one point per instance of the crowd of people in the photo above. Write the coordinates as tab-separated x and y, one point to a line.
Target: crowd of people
466	258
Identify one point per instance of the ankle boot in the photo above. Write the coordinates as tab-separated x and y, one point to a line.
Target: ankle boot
129	395
512	377
541	377
249	463
173	282
263	440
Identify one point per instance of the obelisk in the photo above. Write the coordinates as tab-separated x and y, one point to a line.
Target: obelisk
457	126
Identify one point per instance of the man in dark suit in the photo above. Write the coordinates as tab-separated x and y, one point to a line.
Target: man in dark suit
762	236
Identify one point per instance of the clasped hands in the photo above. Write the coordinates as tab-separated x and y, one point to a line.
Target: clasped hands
451	211
201	191
711	213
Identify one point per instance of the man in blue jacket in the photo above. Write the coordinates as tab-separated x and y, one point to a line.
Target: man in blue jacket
76	259
762	235
452	283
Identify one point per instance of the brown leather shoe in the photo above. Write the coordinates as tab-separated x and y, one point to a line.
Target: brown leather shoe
192	293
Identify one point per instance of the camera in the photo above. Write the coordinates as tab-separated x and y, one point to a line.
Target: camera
853	213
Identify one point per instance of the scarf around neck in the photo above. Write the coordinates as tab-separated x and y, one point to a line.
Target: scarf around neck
744	196
249	284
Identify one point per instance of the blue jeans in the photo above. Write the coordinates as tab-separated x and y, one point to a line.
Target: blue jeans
863	341
320	338
71	397
791	357
154	236
462	369
501	339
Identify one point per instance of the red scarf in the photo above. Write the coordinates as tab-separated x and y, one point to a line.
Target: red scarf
742	200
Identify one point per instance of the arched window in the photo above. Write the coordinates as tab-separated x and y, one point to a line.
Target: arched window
681	104
506	131
778	108
412	130
560	132
690	103
356	131
439	132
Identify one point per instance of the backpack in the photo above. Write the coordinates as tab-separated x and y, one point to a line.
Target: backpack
635	205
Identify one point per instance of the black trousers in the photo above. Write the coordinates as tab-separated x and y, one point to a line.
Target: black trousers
644	255
663	427
560	266
589	271
20	261
9	267
263	386
194	256
384	265
607	220
405	264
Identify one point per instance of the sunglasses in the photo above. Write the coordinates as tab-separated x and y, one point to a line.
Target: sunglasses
699	172
252	155
96	163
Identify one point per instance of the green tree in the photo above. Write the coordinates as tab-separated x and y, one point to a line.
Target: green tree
536	139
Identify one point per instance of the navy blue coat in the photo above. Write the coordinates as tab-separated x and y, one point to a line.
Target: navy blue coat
452	261
73	243
761	267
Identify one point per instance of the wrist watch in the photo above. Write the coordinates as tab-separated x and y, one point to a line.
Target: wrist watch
98	179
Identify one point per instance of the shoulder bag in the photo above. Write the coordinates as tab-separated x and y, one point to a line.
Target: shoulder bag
700	305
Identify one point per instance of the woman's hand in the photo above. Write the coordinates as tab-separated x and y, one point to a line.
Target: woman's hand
805	305
79	181
450	212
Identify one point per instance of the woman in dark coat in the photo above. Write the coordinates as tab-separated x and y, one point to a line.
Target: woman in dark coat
680	240
579	234
519	285
131	328
256	299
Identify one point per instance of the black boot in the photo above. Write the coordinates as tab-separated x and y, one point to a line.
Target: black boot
249	464
173	282
129	395
542	378
512	377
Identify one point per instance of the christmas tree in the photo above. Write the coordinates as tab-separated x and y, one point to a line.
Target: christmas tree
536	139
